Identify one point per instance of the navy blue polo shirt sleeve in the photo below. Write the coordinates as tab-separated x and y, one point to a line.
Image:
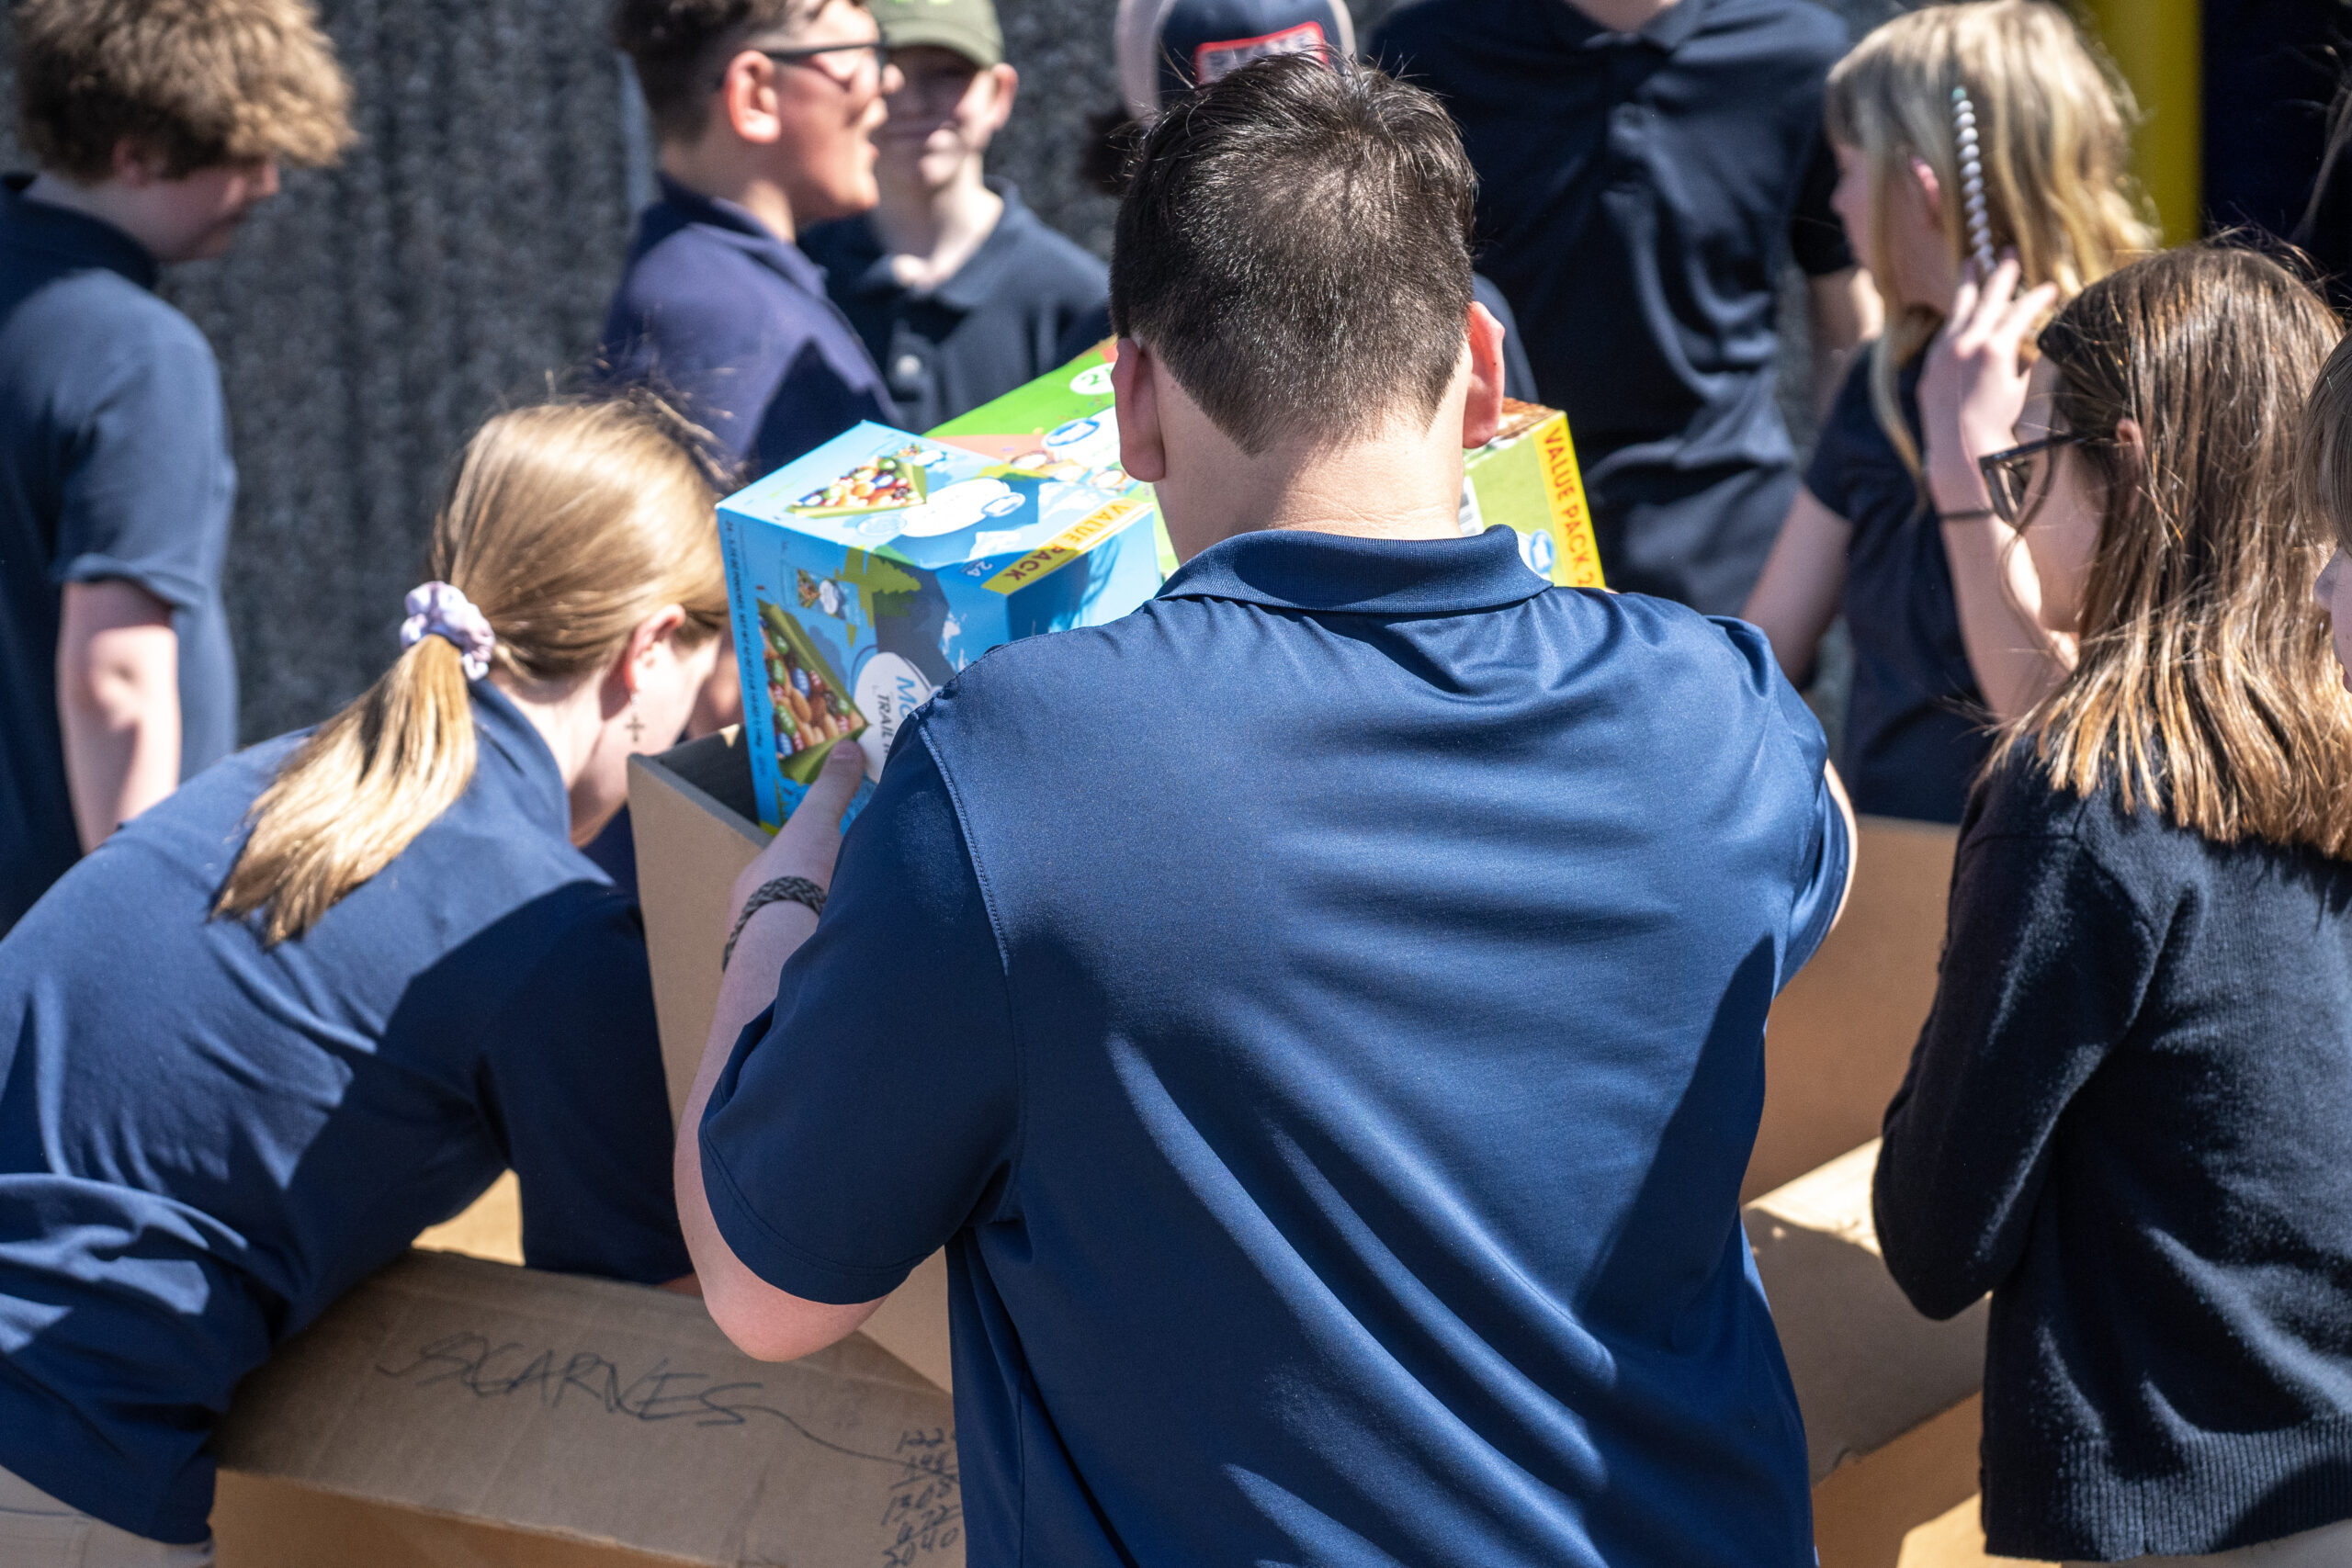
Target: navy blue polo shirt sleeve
576	1087
1816	234
1825	846
1849	440
2046	962
874	1112
142	497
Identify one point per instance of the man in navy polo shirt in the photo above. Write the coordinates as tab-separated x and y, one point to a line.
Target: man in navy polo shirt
959	290
1644	166
1321	1013
765	111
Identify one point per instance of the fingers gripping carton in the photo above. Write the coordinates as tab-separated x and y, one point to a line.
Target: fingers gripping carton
863	576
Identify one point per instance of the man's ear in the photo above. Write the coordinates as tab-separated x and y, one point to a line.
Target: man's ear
1007	88
1482	411
747	97
1143	451
136	164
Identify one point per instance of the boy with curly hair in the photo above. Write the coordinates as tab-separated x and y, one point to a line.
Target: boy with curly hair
156	127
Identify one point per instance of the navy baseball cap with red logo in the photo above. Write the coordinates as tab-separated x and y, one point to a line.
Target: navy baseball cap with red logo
1172	46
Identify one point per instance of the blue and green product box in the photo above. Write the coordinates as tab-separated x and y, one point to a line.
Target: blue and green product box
865	575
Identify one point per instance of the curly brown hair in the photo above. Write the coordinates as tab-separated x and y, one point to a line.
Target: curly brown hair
676	43
198	83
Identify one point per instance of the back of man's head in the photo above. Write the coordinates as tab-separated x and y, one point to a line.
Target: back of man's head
192	84
1294	246
678	46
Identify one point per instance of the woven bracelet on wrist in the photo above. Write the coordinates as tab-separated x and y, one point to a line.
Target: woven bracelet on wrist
783	890
1970	515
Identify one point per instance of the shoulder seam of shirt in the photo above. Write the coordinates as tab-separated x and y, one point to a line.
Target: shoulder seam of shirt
1003	962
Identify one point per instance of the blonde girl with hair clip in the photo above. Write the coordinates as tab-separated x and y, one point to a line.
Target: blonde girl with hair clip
1961	131
319	997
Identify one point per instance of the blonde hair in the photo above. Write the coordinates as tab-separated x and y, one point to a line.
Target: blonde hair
568	525
2053	126
2205	677
202	82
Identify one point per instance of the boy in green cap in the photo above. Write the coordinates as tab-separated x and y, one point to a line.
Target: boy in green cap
960	292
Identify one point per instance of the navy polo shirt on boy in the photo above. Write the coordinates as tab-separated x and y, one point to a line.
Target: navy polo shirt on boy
1637	194
1917	726
204	1141
998	322
114	463
717	309
1322	1015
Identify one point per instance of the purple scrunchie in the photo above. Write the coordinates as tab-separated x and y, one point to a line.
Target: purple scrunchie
438	610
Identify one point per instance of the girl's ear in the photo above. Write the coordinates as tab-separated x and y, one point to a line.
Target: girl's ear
1929	186
655	631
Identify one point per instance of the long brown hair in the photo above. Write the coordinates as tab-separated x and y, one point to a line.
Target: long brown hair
2053	129
567	525
2205	677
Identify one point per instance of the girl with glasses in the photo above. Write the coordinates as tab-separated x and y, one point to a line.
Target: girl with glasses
1957	129
2125	1116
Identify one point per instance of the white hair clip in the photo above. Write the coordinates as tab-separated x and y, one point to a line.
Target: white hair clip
1972	180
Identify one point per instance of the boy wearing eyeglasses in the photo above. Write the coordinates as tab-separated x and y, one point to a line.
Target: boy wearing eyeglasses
960	292
764	112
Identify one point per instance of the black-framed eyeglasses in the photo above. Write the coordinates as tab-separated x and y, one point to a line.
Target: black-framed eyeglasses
874	55
2008	475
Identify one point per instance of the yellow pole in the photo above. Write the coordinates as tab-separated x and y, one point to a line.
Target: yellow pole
2156	44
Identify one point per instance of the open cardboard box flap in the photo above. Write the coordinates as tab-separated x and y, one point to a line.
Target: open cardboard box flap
610	1416
695	824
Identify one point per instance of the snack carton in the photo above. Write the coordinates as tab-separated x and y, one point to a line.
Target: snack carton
863	576
1062	424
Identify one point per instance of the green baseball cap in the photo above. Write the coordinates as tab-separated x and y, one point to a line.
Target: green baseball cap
967	26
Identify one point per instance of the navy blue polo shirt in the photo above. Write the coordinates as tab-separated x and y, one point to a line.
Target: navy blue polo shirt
1322	1014
1917	726
717	309
114	463
204	1141
997	323
1637	194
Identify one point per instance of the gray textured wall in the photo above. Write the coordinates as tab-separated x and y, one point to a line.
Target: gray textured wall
460	255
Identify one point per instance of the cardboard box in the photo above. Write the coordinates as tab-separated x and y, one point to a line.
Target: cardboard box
1064	424
450	1411
1840	1035
863	575
691	809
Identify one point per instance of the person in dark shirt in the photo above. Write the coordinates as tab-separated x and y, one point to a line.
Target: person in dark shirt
116	679
1863	538
1344	1166
765	111
319	999
1643	168
960	292
2125	1117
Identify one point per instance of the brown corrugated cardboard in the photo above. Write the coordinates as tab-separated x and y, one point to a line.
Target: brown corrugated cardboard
1841	1035
692	812
454	1411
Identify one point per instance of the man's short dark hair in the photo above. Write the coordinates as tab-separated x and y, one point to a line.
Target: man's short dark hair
676	46
1294	244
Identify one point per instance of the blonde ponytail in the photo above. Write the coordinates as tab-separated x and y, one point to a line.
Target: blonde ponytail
567	525
2054	126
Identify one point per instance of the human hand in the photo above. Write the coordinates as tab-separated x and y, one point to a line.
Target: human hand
1972	385
811	841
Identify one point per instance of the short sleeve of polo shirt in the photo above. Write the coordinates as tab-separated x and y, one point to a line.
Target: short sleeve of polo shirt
577	1088
142	487
1849	436
1816	234
874	1111
1824	848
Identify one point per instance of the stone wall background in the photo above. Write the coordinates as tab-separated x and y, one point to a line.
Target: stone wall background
460	257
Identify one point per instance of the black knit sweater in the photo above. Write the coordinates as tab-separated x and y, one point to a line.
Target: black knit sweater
2130	1118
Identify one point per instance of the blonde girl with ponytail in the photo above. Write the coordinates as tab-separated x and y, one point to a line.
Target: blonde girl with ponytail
1963	133
319	997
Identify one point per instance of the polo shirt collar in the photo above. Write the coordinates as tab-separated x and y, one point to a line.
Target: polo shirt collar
987	269
73	236
735	225
1667	32
535	781
1295	568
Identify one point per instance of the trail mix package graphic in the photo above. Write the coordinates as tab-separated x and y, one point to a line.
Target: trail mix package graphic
1526	478
862	577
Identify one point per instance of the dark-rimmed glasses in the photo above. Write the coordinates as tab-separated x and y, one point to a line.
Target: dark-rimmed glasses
2008	475
874	55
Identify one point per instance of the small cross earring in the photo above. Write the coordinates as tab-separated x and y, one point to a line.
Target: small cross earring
636	724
